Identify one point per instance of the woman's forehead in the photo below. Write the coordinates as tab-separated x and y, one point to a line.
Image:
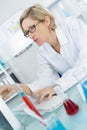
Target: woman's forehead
27	22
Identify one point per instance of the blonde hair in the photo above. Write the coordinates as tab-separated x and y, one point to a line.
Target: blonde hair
37	12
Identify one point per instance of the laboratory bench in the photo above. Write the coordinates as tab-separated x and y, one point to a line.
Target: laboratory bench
74	122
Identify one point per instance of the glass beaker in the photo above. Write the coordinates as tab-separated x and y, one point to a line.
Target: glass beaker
81	77
71	107
84	88
53	123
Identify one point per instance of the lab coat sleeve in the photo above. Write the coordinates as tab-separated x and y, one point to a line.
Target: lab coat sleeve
78	32
46	74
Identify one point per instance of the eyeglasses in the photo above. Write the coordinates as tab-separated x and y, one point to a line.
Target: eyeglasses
31	29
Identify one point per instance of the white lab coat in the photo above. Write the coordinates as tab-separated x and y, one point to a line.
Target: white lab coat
71	62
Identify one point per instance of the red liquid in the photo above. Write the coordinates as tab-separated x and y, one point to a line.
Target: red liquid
30	105
70	107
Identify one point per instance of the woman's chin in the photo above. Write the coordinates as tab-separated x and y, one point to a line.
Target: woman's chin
39	43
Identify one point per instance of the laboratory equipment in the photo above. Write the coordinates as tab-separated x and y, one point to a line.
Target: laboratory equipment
27	101
35	116
84	88
71	107
53	123
81	77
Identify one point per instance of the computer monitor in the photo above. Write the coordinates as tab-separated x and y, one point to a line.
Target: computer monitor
7	120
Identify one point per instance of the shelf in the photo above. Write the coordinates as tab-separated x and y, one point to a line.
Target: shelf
11	97
1	72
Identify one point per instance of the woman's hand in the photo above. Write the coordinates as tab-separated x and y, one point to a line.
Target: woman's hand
6	91
46	93
26	89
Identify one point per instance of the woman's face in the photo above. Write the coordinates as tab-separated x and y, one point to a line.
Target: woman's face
41	33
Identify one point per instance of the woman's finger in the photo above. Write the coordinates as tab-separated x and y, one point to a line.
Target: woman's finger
37	93
50	95
41	97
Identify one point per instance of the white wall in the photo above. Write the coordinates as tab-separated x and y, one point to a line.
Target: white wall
25	65
10	7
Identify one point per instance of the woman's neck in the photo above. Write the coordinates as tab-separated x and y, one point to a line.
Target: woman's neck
54	42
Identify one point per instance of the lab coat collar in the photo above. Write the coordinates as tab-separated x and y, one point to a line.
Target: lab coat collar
61	36
62	39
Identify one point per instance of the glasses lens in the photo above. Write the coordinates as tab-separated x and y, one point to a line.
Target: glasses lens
32	28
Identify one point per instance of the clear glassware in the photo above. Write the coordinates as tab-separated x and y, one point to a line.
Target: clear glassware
53	123
81	77
71	107
84	88
27	101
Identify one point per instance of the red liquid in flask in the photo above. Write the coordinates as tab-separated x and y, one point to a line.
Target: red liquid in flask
70	107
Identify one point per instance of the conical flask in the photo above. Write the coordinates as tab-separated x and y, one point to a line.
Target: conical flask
70	107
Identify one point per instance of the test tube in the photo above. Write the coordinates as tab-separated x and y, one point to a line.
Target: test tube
27	101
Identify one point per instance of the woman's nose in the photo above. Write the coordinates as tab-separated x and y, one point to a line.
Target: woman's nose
31	35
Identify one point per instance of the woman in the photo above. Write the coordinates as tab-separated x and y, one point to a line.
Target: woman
62	52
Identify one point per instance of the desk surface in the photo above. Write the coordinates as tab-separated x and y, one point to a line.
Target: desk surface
75	122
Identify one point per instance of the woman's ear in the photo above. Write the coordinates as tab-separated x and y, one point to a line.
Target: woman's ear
47	20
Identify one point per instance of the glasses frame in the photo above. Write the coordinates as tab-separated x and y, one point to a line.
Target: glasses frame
30	30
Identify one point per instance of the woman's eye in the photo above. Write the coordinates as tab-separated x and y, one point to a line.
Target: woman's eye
32	27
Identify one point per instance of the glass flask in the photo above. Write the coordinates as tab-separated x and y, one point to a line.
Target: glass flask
71	107
81	77
53	123
84	88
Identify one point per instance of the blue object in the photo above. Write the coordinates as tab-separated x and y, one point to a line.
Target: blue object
22	94
56	125
60	75
84	87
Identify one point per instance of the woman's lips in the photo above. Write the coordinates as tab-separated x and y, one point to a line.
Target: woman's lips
36	40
